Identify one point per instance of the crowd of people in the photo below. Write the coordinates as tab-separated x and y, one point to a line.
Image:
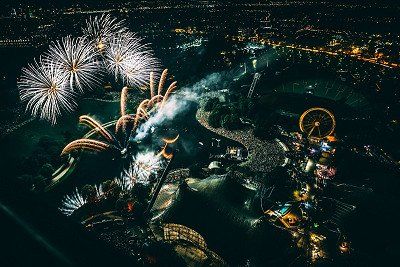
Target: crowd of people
263	155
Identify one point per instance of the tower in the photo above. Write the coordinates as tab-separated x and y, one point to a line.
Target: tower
253	84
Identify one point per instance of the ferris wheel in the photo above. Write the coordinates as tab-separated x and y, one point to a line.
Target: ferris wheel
317	122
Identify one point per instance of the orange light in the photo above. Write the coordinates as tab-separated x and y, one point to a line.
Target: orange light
130	207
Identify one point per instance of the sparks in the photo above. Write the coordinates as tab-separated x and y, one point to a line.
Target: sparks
44	87
129	61
78	60
99	30
72	202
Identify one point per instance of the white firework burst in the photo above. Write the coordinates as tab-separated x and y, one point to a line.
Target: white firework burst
99	191
146	164
100	30
129	60
126	181
140	170
78	60
44	88
72	202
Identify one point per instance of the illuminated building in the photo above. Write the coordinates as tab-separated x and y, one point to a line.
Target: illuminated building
235	153
287	214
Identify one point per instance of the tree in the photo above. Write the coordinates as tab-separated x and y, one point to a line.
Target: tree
263	126
120	204
217	114
141	192
46	170
211	103
214	120
88	191
244	105
231	122
39	183
47	141
195	170
26	179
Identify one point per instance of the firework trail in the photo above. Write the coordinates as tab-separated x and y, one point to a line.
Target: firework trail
44	87
172	140
124	98
78	60
122	122
163	151
170	89
129	60
151	85
162	81
100	30
141	111
88	144
112	144
154	110
154	100
84	119
72	202
148	113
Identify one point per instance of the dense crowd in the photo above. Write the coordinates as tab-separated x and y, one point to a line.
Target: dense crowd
263	155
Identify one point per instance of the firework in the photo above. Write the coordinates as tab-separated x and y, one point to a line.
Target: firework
154	100
149	110
88	144
141	112
112	143
129	123
129	60
140	169
100	30
127	180
146	164
162	81
72	202
99	191
171	141
170	89
124	98
124	182
76	57
122	122
98	128
44	87
151	85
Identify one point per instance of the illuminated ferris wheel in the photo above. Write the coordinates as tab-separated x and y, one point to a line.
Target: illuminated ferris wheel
317	122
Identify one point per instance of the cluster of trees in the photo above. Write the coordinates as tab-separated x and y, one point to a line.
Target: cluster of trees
264	126
37	168
256	111
228	115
